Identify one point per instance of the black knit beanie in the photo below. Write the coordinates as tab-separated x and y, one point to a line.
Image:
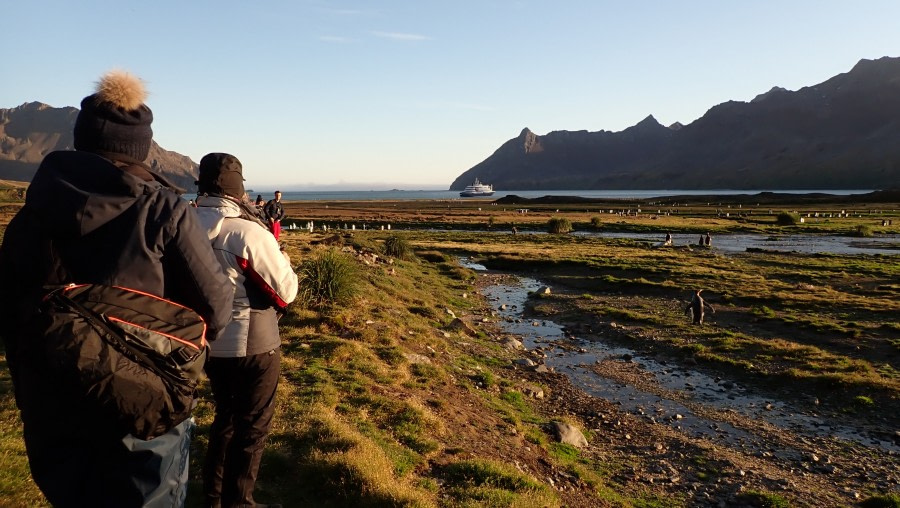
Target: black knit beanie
115	119
221	174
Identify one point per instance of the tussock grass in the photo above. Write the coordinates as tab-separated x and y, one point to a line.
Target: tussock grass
559	225
787	219
398	247
864	231
328	278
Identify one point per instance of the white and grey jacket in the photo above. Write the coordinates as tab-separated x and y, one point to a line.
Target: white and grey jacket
261	277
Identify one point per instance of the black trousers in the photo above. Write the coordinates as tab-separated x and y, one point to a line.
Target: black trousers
244	392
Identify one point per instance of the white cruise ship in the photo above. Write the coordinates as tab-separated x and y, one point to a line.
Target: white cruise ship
477	189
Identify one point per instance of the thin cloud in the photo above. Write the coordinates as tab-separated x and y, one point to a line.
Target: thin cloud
399	36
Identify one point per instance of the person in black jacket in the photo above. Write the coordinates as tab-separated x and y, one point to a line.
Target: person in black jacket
274	213
100	215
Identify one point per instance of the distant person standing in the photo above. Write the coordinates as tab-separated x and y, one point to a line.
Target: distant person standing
260	206
708	240
274	213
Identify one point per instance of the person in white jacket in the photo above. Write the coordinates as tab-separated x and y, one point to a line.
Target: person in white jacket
245	363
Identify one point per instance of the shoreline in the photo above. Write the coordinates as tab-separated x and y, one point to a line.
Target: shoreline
763	197
581	196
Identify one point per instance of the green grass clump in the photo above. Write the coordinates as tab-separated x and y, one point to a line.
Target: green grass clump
787	219
864	231
764	499
863	401
596	222
434	256
516	399
564	452
398	247
490	483
882	501
559	225
485	378
327	279
483	472
763	311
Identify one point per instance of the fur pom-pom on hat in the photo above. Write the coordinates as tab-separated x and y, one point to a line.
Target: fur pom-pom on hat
115	118
121	89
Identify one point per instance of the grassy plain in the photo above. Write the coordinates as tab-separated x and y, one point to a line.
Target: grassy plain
384	401
675	215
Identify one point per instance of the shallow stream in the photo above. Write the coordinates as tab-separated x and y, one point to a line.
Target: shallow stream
574	357
808	244
883	244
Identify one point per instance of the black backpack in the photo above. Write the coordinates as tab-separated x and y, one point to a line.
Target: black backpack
132	355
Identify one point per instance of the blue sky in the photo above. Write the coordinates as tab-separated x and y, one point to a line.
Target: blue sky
409	94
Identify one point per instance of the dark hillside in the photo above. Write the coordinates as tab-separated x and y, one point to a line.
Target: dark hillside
839	134
32	130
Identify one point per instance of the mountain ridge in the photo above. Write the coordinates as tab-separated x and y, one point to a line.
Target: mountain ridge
840	133
30	131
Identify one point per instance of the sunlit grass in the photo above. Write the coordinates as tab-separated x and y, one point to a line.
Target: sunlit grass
16	486
360	424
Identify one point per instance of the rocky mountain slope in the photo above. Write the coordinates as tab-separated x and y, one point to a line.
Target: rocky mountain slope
32	130
841	133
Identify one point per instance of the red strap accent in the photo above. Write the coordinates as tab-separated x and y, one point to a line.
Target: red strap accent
203	341
257	279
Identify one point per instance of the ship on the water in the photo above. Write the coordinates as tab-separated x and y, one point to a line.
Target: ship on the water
477	189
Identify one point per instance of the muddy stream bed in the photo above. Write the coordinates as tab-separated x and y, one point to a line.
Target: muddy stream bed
670	394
